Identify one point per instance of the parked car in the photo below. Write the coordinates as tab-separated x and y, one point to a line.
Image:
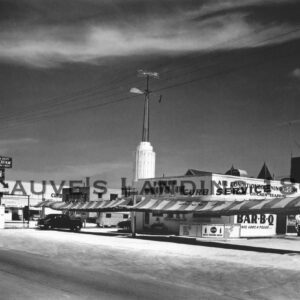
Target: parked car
60	221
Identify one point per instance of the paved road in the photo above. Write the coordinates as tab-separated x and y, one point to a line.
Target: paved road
27	276
65	265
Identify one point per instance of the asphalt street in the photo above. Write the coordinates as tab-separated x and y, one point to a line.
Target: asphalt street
63	265
27	276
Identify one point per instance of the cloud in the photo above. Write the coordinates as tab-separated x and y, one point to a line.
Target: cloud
296	73
7	144
186	27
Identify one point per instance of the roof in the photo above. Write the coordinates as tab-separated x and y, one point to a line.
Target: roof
265	173
237	172
193	172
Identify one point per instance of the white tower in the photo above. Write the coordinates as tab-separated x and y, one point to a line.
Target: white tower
144	165
144	161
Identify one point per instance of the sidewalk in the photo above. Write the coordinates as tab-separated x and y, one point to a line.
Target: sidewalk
281	244
278	244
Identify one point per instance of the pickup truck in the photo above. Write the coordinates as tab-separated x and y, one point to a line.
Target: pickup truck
60	221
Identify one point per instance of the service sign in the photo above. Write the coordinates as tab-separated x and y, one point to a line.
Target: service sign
256	225
217	187
212	231
5	162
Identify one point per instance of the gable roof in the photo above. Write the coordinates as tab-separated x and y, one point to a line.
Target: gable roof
193	172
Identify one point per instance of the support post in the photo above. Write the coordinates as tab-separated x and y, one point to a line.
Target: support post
133	219
28	202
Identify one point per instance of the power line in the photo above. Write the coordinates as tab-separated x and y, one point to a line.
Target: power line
77	96
97	105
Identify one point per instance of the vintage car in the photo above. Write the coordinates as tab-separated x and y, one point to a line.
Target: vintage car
60	221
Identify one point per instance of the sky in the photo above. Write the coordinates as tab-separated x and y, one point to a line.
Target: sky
229	80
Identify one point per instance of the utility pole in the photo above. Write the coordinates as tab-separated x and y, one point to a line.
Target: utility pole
133	217
28	202
146	92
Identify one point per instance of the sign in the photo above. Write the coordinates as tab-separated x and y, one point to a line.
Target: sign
2	217
212	231
216	187
5	162
256	225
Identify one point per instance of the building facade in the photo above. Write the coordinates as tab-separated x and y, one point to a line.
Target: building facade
208	186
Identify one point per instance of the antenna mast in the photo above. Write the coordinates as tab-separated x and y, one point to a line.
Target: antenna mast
146	92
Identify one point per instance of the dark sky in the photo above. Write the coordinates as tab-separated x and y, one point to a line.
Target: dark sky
229	76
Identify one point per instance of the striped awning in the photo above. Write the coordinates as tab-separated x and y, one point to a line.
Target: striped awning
45	203
184	205
282	205
90	206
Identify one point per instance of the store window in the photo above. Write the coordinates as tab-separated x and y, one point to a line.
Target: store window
170	215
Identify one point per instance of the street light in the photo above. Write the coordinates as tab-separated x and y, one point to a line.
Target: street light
136	91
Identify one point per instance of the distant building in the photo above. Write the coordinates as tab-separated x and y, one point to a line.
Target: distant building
17	195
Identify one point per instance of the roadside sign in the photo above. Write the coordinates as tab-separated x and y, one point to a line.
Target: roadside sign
5	162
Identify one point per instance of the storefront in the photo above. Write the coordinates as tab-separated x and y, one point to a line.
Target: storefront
19	199
18	195
211	205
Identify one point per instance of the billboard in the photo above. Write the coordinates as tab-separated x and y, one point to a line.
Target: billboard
212	231
255	225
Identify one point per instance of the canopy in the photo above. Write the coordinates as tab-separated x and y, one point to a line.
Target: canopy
45	203
184	205
90	206
282	205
